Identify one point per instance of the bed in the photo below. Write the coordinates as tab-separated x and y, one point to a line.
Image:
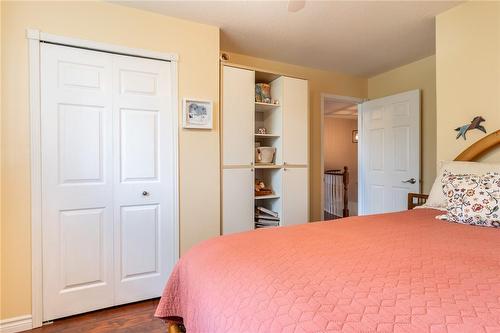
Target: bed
396	272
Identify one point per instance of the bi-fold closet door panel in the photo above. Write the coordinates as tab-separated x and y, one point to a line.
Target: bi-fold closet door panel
143	189
104	121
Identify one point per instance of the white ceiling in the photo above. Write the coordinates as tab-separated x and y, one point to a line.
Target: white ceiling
340	109
361	38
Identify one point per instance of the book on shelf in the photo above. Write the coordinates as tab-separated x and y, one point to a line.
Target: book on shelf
267	222
266	217
267	211
259	226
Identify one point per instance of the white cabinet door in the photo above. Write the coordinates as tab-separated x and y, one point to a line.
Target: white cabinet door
295	196
77	181
389	143
238	201
238	113
295	121
143	177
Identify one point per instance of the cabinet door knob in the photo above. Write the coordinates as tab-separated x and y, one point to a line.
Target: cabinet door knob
145	193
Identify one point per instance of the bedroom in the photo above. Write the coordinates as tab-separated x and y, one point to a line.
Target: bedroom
457	77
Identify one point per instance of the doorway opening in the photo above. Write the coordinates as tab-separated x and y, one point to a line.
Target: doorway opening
339	156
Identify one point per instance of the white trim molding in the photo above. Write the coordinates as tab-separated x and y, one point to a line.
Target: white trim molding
35	37
325	96
36	178
16	324
98	46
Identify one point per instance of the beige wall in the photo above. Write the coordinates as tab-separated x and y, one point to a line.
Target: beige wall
198	48
467	66
1	154
319	82
340	151
468	74
416	75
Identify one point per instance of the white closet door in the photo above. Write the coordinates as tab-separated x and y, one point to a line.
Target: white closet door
108	179
295	196
143	169
77	182
295	122
238	200
238	102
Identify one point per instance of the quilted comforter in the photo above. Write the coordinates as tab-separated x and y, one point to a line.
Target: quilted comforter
398	272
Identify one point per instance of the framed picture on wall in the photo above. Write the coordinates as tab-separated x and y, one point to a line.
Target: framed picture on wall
197	113
355	136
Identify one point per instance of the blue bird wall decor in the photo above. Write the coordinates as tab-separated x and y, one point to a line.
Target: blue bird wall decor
474	124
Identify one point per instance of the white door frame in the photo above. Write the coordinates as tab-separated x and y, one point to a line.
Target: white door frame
339	98
35	37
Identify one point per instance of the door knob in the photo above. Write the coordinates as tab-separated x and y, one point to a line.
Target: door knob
411	181
145	193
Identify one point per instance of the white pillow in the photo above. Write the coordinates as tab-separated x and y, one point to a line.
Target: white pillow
437	198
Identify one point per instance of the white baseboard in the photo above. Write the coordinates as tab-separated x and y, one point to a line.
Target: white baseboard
16	324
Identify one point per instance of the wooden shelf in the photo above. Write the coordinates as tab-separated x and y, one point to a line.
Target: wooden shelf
268	166
270	196
263	107
267	135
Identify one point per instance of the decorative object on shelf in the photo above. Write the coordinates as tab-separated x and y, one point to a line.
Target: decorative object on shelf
264	155
197	113
263	93
260	188
261	130
275	102
355	136
474	124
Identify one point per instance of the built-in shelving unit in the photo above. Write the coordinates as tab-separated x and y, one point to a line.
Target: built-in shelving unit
270	117
285	124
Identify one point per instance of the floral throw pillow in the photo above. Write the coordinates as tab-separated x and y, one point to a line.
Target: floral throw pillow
472	199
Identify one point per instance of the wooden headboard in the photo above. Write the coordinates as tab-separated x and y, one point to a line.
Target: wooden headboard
481	147
475	151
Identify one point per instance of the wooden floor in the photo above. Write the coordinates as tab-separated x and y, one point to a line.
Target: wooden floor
131	318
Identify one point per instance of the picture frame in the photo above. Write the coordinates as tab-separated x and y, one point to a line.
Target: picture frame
197	113
355	136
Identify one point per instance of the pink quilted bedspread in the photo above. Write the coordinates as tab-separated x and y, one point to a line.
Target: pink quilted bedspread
399	272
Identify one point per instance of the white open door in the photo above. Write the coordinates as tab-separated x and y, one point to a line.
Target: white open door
389	152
